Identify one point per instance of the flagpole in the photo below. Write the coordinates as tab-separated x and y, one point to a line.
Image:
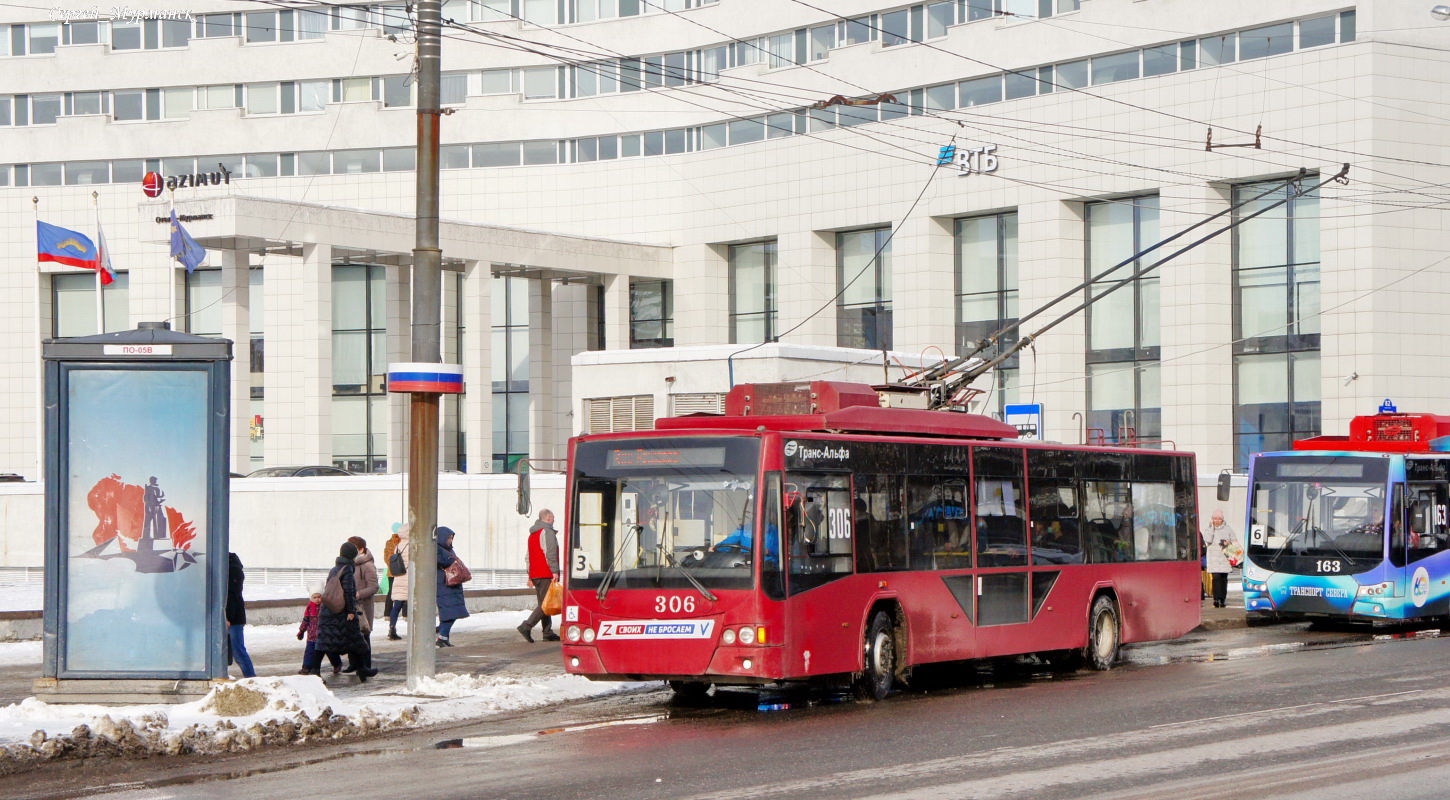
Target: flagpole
100	306
171	269
39	360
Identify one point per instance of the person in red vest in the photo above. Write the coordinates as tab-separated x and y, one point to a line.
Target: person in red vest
543	570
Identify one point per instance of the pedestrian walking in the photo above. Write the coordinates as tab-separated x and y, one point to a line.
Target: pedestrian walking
237	616
543	570
1218	539
398	566
311	658
451	606
388	549
367	590
340	632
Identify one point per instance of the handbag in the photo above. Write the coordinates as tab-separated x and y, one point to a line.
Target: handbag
456	574
333	598
396	567
553	599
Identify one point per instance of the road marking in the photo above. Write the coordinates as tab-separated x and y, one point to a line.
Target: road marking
1262	712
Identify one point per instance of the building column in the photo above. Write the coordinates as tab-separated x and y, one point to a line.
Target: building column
398	305
806	276
702	295
477	357
923	286
237	326
571	337
616	312
541	370
1195	296
1053	371
299	359
448	409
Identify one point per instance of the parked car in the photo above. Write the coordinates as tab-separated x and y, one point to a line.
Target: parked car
298	472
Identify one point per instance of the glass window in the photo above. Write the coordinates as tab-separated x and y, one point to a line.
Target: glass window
261	26
204	302
675	73
83	103
1123	327
1316	32
73	306
352	162
546	152
880	523
539	12
780	125
498	81
894	28
262	165
540	83
940	97
178	101
938	17
214	25
454	156
782	50
177	166
863	271
980	91
44	37
1108	521
499	154
399	159
1347	26
819	529
651	314
312	23
313	95
354	90
712	136
1000	506
939	528
823	39
315	163
1217	50
1054	507
1114	68
85	173
45	174
83	32
126	35
125	105
1270	40
752	292
398	91
5	105
747	130
1160	60
262	98
5	175
220	96
986	255
453	91
1020	84
1072	75
44	109
847	116
129	171
859	30
175	33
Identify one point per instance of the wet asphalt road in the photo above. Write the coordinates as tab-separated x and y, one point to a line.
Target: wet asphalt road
1272	712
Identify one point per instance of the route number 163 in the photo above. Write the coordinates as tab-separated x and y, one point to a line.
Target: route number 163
1327	566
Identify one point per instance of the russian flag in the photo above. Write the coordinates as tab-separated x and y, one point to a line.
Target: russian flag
65	246
108	275
415	377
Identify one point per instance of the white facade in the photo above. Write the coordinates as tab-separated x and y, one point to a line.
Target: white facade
1364	85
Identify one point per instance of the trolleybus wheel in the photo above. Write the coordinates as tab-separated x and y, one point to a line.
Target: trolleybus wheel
875	681
689	690
1104	634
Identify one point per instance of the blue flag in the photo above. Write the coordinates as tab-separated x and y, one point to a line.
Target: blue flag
183	247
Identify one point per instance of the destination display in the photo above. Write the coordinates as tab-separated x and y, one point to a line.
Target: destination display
633	458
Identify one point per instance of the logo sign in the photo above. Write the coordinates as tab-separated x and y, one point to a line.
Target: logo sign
1420	587
657	629
969	160
1026	418
1388	407
151	184
791	448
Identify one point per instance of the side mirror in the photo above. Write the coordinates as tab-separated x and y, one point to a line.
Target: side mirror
525	503
1225	484
1419	522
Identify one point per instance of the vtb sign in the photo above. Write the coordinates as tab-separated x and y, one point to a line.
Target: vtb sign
969	160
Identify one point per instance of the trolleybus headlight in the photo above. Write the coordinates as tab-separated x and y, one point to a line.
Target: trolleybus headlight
728	637
588	635
1376	590
574	633
747	635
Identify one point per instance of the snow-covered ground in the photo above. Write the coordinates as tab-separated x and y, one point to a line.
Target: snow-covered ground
202	726
30	596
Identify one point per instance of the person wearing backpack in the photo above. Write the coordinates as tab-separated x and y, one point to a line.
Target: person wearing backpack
339	624
451	606
398	575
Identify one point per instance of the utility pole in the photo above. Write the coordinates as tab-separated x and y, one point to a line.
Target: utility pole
427	288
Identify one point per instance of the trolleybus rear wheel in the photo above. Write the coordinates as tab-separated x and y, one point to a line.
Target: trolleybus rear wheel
689	690
878	676
1104	634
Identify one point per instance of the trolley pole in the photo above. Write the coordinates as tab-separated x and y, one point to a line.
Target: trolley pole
423	420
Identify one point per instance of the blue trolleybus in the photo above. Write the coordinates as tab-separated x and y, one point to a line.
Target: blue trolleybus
1352	527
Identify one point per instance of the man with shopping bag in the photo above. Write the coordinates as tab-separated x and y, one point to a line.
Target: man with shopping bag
543	571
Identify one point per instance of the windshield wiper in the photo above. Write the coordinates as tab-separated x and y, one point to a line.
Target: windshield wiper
607	582
700	587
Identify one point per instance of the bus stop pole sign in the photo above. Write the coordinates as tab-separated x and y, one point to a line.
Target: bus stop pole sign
1026	418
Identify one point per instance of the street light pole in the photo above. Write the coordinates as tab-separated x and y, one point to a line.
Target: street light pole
423	428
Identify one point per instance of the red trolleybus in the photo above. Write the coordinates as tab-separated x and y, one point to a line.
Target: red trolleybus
811	533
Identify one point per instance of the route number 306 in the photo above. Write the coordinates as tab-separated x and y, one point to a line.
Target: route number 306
674	605
1327	566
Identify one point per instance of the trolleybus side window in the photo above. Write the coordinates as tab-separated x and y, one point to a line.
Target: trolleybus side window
1055	529
1429	529
820	534
940	532
1154	522
772	573
1001	518
880	523
1108	521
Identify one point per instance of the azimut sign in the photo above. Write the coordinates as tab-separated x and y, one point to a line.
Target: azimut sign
152	183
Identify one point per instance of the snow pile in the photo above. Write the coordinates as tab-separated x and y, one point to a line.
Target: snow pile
235	717
478	695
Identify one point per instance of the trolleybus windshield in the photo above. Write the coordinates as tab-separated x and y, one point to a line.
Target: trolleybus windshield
656	512
1313	509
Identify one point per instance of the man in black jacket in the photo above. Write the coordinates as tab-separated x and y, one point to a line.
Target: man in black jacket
237	616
